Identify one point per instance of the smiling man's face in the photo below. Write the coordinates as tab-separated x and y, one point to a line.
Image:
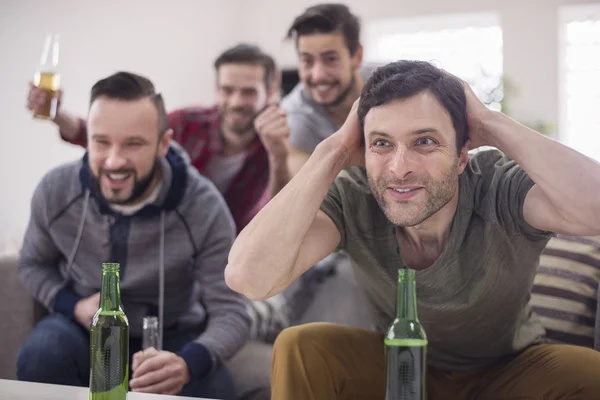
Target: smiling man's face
124	148
326	67
411	158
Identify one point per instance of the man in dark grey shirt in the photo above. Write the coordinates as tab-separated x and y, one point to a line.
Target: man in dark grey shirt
396	187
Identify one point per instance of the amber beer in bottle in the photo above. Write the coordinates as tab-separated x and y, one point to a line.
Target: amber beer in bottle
47	78
109	342
406	345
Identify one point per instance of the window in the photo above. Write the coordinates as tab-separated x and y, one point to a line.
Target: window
579	62
466	45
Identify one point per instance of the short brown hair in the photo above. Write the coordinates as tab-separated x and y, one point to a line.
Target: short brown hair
328	18
129	86
244	53
405	78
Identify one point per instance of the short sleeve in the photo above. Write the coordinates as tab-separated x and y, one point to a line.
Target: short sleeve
303	132
503	187
332	206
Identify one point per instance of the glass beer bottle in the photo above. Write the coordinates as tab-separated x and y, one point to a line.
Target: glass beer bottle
47	78
109	342
406	345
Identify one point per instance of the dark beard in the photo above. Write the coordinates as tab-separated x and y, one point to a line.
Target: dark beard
140	186
344	95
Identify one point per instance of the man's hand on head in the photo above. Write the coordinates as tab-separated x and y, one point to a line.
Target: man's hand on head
477	114
158	372
350	138
274	132
85	309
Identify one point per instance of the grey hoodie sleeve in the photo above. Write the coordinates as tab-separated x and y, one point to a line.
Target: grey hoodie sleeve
228	326
39	257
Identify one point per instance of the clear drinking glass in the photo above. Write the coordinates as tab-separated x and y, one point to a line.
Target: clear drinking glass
150	333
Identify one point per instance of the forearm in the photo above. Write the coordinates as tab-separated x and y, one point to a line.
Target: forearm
222	338
570	180
226	332
264	255
43	283
279	175
70	127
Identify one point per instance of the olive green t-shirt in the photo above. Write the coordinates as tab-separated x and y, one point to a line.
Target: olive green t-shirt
473	301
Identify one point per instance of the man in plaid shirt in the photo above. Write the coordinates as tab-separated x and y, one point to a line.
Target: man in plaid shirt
241	144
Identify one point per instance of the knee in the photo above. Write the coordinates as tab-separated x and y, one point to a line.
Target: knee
27	360
34	361
576	368
585	364
290	338
304	338
50	348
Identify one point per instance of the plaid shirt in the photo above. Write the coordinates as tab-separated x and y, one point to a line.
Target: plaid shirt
196	129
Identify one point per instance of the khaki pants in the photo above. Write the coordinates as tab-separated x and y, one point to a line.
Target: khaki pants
323	361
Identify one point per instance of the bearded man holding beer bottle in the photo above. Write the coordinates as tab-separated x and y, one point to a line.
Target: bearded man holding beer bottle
132	199
397	189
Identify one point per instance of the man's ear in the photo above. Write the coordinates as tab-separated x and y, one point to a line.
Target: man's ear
165	142
463	157
357	58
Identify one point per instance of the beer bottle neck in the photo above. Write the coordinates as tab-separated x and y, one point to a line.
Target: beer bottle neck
406	295
110	296
49	59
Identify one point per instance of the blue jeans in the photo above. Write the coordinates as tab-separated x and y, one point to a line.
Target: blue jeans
58	351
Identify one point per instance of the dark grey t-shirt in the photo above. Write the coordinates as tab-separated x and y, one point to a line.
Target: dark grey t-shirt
474	300
308	120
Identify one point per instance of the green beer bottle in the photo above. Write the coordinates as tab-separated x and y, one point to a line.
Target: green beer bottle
406	345
109	342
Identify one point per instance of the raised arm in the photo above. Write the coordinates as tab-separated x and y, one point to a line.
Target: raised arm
566	196
290	234
285	159
274	133
70	127
296	159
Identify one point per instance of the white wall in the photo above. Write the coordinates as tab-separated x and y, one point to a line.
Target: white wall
530	30
172	42
175	42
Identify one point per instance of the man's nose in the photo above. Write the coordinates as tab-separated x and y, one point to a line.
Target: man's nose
403	163
235	100
115	160
318	73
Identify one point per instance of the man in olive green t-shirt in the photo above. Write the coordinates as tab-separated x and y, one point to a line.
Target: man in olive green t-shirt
407	193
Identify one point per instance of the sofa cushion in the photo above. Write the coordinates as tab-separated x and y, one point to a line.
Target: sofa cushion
565	290
19	313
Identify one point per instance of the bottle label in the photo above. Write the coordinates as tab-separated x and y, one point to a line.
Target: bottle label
406	369
109	362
